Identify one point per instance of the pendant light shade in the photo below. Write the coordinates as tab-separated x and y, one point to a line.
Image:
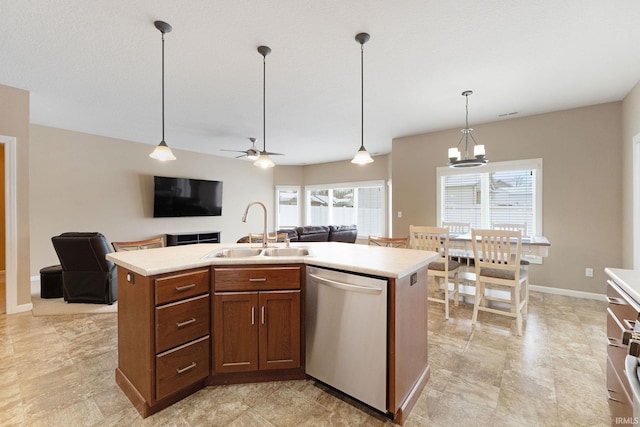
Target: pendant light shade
264	161
362	157
455	157
162	151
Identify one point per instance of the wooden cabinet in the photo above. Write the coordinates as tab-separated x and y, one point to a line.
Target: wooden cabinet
163	336
622	312
257	318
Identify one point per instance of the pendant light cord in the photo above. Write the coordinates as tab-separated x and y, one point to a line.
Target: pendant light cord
162	86
264	103
362	95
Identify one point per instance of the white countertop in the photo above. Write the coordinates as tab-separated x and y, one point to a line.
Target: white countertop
373	260
629	281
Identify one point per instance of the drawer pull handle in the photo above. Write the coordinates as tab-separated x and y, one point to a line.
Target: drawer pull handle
263	313
186	322
630	324
186	368
185	287
258	279
616	301
253	315
611	397
615	342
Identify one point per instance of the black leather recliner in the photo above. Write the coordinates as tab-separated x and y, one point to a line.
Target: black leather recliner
87	276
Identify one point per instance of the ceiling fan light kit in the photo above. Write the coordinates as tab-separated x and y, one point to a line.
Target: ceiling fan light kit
479	157
162	151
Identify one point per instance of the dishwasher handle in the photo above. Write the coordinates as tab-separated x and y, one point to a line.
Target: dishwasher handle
346	286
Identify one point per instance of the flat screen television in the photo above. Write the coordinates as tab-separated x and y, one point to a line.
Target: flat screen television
175	197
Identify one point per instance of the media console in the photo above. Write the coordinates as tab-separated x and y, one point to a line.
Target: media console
177	239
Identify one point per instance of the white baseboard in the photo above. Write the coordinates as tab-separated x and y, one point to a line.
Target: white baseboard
567	292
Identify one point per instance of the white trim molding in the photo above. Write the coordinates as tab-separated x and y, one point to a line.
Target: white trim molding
11	220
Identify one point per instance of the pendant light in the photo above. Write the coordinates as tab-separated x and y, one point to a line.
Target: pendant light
162	151
478	159
362	156
264	161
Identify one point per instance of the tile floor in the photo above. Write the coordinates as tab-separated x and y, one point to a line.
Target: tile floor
59	371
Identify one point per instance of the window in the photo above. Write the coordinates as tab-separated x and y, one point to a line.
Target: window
501	192
287	207
361	203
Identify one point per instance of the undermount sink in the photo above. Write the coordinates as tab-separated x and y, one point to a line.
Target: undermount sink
286	252
235	253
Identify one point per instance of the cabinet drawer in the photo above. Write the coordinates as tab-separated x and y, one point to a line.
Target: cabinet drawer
619	401
181	286
182	321
621	305
256	278
181	367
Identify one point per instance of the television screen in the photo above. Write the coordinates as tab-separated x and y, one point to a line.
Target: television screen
173	197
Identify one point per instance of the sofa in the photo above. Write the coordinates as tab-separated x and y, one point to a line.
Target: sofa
318	233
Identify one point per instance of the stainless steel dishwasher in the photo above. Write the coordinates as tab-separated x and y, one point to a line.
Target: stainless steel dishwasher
346	333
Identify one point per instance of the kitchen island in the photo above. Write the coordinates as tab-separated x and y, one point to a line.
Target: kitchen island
208	314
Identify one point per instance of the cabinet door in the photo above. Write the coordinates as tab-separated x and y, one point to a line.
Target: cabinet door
235	347
279	330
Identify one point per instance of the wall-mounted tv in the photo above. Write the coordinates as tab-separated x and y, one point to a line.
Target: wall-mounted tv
174	197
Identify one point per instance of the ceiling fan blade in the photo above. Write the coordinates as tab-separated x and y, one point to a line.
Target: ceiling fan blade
274	154
241	155
235	151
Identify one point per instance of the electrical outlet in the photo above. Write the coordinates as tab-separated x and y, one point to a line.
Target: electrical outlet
399	214
588	272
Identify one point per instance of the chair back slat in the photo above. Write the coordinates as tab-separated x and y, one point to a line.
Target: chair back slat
497	249
457	227
426	238
522	228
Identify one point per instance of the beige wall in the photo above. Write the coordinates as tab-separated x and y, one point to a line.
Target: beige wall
82	182
582	185
345	171
631	128
14	122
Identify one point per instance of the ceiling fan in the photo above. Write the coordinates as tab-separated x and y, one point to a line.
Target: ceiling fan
252	153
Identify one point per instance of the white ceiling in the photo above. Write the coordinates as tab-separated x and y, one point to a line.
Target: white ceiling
95	66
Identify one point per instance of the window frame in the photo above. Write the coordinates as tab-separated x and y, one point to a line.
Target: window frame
532	164
381	184
299	205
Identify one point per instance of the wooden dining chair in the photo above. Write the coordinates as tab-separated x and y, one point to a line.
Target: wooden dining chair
271	237
498	267
436	239
389	242
156	242
463	256
521	227
457	227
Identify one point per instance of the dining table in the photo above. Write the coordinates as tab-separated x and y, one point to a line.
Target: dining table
535	246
